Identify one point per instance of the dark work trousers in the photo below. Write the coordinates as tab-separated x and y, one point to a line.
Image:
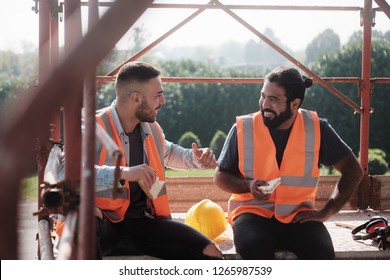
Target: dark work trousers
164	239
256	238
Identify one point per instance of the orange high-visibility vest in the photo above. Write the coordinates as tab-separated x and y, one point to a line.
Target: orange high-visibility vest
299	169
154	145
60	223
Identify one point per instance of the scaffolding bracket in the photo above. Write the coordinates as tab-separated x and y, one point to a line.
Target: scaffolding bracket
371	16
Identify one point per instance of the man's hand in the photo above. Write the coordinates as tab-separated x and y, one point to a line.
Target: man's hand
142	172
205	156
313	215
254	188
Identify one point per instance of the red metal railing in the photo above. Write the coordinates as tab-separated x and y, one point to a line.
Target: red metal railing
30	119
60	85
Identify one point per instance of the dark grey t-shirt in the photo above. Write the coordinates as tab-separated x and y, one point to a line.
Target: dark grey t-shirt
332	147
138	201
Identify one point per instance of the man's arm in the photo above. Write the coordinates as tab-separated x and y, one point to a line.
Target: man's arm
234	183
177	157
105	175
230	182
335	152
351	175
227	175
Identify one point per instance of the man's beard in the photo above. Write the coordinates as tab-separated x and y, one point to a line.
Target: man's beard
278	119
144	113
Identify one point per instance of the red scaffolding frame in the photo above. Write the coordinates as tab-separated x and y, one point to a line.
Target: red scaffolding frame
72	81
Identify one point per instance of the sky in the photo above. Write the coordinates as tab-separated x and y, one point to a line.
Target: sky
295	29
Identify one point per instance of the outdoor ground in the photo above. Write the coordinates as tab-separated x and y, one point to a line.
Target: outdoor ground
27	229
344	245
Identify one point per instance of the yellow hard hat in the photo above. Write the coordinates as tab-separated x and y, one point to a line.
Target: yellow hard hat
207	217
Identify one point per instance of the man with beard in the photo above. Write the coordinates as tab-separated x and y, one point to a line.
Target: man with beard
133	223
286	143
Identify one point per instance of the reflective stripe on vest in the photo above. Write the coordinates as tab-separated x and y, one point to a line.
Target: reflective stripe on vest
159	144
104	159
115	209
104	121
155	145
298	171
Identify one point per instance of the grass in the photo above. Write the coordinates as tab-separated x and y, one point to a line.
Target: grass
30	187
30	184
190	173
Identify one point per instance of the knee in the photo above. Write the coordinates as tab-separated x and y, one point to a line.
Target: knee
254	249
212	251
326	254
318	252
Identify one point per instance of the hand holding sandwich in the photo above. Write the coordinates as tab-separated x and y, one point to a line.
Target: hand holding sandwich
142	172
262	190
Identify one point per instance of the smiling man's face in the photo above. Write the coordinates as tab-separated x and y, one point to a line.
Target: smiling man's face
275	109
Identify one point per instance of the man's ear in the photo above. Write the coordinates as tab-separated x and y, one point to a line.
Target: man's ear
295	104
136	96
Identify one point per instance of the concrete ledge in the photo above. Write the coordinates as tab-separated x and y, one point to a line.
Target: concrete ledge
345	247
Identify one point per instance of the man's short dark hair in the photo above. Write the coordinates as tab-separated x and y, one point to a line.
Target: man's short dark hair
136	71
291	81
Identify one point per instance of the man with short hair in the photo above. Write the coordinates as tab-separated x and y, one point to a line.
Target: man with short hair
134	223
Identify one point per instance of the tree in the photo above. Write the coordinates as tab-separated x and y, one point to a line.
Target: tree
135	42
217	142
377	164
204	108
188	138
260	56
252	52
231	53
325	42
18	72
346	62
357	37
386	36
